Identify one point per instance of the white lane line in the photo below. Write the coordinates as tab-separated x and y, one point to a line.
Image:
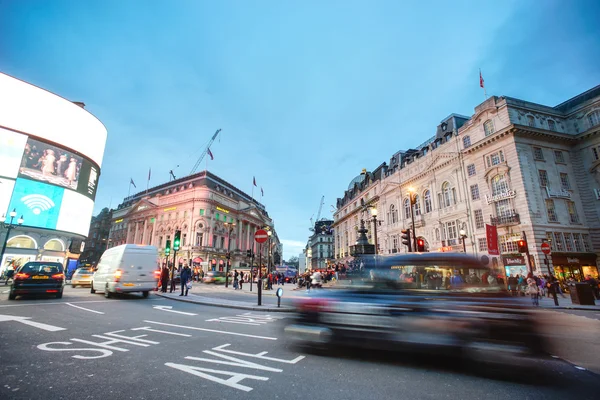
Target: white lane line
82	308
37	304
26	321
212	330
169	309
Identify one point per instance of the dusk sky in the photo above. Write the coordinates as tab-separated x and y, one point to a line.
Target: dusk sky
307	93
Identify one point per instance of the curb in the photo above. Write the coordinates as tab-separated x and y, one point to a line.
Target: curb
236	306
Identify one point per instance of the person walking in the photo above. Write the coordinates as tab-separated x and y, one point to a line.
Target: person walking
532	289
186	275
552	286
164	279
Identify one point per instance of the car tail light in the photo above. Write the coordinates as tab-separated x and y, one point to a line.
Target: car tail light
314	305
21	276
51	291
118	274
58	276
157	274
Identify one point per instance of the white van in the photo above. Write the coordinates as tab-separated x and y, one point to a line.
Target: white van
127	268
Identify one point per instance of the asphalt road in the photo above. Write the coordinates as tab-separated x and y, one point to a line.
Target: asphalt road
87	347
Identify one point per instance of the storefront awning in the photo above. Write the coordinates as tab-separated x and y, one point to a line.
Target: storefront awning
197	260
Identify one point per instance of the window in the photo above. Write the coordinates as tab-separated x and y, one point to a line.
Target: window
406	208
550	239
577	242
475	192
217	216
417	205
559	157
587	245
551	125
530	120
593	118
543	177
427	200
564	181
214	241
437	234
395	243
568	241
595	151
223	242
573	217
199	237
446	194
451	232
504	208
471	169
488	127
499	184
508	243
184	239
538	154
160	241
558	241
552	217
494	159
466	141
393	217
479	219
482	244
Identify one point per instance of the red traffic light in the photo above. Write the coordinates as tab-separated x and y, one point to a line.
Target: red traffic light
522	246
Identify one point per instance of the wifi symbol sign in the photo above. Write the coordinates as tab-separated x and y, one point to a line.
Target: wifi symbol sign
37	203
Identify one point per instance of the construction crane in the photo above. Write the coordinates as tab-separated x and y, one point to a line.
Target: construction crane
204	152
312	228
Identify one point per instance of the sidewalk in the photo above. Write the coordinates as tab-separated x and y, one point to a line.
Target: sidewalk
217	302
566	304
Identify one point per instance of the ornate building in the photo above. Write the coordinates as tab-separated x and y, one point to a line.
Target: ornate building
527	169
97	240
214	218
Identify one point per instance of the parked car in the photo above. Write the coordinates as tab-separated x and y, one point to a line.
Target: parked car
82	277
125	269
38	277
217	277
419	302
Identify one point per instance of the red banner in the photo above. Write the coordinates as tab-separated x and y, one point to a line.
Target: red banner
491	234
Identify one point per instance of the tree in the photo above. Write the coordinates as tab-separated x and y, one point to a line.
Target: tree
293	261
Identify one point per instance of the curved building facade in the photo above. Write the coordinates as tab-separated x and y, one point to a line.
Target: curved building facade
51	150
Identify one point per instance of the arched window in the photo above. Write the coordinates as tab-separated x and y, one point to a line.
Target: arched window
466	141
427	201
417	205
446	195
499	184
437	234
593	118
393	218
488	127
22	242
54	245
406	208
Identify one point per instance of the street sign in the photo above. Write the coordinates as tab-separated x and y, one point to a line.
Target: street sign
545	248
261	236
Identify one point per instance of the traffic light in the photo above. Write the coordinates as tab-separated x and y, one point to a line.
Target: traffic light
420	245
177	240
168	247
248	253
522	246
406	239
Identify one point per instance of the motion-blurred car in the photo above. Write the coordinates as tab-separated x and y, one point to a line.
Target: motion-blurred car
82	277
38	277
419	302
217	277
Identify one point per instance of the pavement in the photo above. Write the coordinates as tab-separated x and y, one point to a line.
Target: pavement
84	346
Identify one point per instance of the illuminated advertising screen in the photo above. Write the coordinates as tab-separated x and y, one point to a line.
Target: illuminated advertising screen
38	202
6	189
12	145
75	213
49	163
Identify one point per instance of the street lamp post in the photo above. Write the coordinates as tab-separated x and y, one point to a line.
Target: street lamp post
269	261
413	200
8	227
230	226
463	236
374	215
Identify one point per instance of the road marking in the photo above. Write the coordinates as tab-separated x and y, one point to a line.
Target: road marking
579	368
247	319
25	320
147	328
168	308
212	330
82	308
37	304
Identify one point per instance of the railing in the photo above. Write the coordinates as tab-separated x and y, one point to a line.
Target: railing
510	219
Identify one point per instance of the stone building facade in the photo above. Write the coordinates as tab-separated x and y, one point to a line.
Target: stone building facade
527	169
214	218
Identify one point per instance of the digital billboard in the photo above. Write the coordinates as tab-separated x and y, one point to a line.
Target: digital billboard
75	213
6	189
38	202
12	145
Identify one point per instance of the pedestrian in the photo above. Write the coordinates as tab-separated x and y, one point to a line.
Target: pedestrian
532	289
164	279
552	285
186	275
241	281
173	274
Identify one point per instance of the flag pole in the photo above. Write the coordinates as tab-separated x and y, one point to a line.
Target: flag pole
129	191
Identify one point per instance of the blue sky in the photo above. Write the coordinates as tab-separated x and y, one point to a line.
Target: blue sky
307	93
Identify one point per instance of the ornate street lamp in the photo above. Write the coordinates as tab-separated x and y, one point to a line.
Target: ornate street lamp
8	227
413	200
269	255
230	226
373	211
463	236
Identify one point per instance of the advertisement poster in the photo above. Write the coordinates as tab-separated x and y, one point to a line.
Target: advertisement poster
75	213
37	202
12	145
48	163
491	234
6	189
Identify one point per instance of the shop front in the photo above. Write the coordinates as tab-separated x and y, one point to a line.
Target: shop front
574	265
514	265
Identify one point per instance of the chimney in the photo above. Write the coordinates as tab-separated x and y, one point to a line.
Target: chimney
79	103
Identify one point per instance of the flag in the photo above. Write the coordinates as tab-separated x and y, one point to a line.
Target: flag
132	183
210	154
261	192
149	173
254	180
491	233
480	79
